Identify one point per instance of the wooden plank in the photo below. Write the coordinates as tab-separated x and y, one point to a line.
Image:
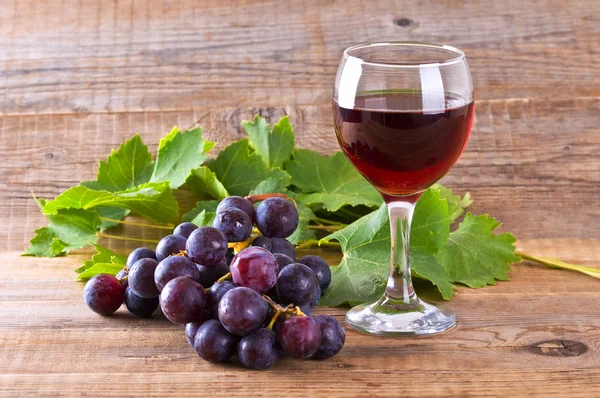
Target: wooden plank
529	162
533	335
107	56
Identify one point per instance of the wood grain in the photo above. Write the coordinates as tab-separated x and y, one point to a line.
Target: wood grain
78	78
106	56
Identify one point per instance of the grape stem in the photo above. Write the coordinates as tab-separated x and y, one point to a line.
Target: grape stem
225	277
258	198
289	310
554	263
103	235
330	228
137	224
314	242
330	222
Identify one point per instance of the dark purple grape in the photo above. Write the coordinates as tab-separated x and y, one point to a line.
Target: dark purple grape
259	349
242	311
283	246
320	268
300	336
122	274
183	300
207	246
103	293
213	343
333	337
138	254
296	284
276	217
173	267
315	300
141	278
282	260
170	244
238	202
254	267
234	223
209	275
216	293
185	229
262	241
191	329
139	306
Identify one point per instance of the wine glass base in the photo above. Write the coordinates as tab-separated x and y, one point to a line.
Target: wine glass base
387	317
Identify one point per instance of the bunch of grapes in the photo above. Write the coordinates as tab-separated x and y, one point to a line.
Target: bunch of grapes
255	303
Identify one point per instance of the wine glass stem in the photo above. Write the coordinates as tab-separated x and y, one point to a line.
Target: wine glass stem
399	287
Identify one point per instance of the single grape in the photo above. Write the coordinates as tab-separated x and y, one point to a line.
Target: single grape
139	306
333	337
206	246
216	293
282	260
315	300
256	268
296	284
259	349
238	202
183	300
283	246
209	275
242	311
185	229
141	278
262	241
276	217
122	274
213	343
170	244
320	268
138	254
234	223
300	336
191	329
172	267
103	293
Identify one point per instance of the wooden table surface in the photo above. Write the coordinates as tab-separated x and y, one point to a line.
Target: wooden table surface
77	78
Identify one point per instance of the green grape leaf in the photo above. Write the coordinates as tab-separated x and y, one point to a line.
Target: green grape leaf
204	218
276	146
362	273
125	168
277	184
67	230
239	170
475	256
43	244
456	204
100	268
103	255
208	206
178	154
203	181
330	180
153	201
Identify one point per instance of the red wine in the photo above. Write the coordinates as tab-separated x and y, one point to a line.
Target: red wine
401	151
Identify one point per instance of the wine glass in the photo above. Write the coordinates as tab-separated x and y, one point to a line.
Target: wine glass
403	113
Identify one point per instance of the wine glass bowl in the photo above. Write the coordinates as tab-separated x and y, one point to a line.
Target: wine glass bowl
403	113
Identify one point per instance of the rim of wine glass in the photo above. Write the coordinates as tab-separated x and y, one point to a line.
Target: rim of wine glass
460	55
